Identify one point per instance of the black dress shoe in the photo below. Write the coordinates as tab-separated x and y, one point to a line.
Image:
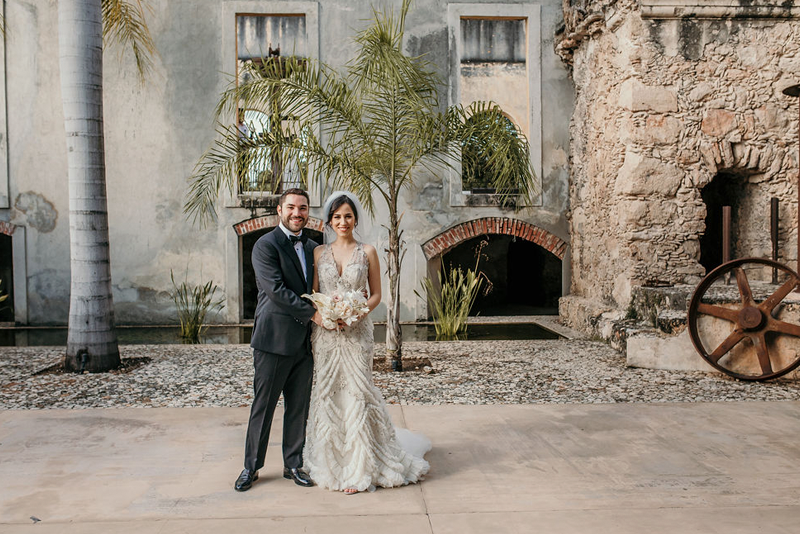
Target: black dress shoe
245	480
298	475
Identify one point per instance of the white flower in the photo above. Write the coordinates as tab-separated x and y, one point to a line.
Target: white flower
347	306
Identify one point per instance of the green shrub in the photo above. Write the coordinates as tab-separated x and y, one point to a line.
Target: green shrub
450	307
193	303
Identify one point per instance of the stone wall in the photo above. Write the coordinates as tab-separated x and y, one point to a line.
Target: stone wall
663	105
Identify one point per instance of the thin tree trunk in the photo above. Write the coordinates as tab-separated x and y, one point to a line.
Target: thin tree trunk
91	308
394	336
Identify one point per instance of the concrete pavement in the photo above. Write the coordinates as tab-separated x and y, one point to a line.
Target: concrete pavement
623	468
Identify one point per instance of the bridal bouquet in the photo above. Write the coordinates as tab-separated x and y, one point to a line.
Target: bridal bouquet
347	306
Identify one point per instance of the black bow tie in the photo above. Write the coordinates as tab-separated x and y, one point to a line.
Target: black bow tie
295	238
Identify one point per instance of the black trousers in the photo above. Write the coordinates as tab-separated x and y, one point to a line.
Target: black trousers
276	374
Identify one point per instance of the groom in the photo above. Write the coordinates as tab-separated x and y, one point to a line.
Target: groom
283	263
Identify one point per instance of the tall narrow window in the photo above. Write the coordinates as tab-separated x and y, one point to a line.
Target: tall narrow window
493	67
266	46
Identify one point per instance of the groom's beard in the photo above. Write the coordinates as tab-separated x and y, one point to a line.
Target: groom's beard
294	222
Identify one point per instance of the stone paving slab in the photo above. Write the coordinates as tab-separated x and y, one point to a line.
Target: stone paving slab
661	520
702	467
385	524
582	457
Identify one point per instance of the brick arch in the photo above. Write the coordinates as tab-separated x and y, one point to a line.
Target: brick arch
7	228
270	221
493	225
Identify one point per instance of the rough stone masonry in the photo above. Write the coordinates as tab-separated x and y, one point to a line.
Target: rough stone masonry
670	95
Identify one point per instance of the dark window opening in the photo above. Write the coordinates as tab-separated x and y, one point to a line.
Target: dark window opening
6	279
724	190
525	278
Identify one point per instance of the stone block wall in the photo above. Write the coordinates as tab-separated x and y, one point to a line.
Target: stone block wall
663	105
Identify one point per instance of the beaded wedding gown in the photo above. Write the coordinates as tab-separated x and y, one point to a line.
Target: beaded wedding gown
350	439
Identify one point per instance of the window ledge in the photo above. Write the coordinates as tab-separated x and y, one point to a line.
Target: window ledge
676	9
255	199
476	199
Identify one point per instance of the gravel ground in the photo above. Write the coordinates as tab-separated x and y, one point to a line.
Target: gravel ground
466	372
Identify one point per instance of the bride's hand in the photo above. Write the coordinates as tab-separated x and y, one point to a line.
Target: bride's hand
317	320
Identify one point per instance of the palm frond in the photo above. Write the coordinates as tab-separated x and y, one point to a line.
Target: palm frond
124	24
304	89
313	97
381	62
482	135
216	169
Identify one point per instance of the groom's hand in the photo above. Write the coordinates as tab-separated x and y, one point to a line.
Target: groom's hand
317	318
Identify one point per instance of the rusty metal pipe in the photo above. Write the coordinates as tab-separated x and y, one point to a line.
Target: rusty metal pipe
794	90
726	238
773	234
726	234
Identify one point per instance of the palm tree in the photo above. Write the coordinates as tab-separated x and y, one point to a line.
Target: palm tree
124	26
367	131
91	339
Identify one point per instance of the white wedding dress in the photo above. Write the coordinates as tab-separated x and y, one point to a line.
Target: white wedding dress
350	439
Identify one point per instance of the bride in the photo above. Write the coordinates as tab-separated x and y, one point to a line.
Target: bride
351	444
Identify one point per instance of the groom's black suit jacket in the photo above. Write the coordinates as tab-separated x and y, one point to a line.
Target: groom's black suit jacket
282	319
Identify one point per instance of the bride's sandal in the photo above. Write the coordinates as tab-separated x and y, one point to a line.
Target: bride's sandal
350	491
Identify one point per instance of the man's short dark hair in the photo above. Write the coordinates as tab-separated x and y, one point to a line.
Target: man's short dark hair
293	191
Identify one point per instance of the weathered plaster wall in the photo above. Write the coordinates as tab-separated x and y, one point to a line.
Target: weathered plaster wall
478	80
156	132
153	135
662	106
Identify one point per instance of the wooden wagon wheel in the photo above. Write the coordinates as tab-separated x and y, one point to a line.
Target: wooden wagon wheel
754	326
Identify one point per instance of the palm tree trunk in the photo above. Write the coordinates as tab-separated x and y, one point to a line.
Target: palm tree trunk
91	308
394	336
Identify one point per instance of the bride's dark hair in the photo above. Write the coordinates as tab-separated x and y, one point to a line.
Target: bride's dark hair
337	203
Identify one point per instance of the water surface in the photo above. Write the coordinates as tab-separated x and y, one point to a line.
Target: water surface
147	335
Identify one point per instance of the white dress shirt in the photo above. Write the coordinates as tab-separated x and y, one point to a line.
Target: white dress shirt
298	247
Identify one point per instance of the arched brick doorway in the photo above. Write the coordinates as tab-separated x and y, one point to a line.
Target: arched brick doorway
522	261
249	231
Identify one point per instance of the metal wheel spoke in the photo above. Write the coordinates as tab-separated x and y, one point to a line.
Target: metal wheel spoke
760	343
735	337
744	286
750	318
718	311
785	328
773	300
